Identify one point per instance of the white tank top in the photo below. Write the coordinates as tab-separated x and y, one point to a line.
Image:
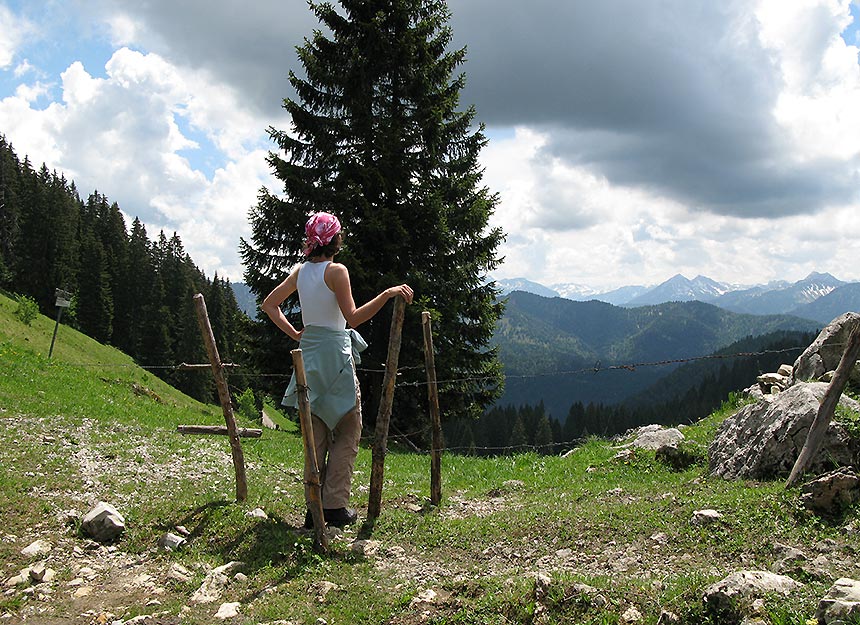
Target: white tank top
318	302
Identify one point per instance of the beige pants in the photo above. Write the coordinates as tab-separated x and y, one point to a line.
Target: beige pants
336	452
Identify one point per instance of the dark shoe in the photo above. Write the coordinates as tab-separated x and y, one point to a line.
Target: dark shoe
340	516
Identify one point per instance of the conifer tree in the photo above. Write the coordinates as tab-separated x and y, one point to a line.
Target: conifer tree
378	140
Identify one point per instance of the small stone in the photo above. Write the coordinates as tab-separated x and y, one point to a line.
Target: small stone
227	610
170	542
705	517
179	573
87	572
365	547
103	523
39	573
83	591
182	531
631	615
240	577
37	548
257	513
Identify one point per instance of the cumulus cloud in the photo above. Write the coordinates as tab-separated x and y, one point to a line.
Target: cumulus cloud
13	32
629	140
121	135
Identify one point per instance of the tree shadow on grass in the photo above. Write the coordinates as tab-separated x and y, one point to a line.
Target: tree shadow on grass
221	532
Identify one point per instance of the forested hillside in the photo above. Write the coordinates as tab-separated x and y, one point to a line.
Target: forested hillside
542	340
129	291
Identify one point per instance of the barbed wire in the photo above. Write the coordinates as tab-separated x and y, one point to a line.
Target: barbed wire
597	367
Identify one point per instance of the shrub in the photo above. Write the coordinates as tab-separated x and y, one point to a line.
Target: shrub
27	309
246	404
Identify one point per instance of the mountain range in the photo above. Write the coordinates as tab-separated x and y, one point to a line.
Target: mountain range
819	296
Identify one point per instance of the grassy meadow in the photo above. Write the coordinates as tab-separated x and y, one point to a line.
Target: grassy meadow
88	426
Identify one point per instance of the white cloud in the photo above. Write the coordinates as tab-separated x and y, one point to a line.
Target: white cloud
122	135
821	94
13	32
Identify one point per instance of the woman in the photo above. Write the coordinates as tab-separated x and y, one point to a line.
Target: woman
330	352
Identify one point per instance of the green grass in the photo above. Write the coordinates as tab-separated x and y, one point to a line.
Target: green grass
78	428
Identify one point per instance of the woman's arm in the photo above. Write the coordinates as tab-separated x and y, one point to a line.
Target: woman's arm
272	304
337	279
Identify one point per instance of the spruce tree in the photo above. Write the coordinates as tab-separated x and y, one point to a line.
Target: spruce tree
378	140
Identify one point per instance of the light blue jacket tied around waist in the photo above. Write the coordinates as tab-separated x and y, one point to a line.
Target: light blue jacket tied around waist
328	355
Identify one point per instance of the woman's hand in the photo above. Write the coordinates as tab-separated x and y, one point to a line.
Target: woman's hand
403	290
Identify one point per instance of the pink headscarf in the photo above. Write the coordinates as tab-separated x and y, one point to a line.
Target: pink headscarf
320	230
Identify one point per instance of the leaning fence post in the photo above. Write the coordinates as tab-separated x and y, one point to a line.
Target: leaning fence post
827	408
383	417
223	396
313	494
433	398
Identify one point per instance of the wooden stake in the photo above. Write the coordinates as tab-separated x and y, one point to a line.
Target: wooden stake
223	396
828	406
380	440
433	398
218	429
313	489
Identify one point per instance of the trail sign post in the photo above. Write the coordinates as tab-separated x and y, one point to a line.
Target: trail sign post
64	300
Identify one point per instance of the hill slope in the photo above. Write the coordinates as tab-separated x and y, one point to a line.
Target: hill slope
71	435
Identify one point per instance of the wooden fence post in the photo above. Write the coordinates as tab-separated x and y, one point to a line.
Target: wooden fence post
223	396
313	490
433	398
383	417
827	408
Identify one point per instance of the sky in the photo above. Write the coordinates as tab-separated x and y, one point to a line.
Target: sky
628	141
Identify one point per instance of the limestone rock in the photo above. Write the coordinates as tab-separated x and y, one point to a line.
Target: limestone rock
631	615
705	517
103	523
215	583
831	493
257	513
227	610
763	440
729	594
37	548
655	438
365	547
768	381
826	350
170	542
841	603
179	573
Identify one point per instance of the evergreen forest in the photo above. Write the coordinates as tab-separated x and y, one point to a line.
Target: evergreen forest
129	290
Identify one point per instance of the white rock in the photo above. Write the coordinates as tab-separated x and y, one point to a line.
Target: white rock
104	523
179	573
257	513
705	517
631	615
749	585
656	438
227	610
170	542
365	547
841	603
428	595
215	583
37	548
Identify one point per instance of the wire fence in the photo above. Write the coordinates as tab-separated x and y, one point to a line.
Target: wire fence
406	438
597	367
